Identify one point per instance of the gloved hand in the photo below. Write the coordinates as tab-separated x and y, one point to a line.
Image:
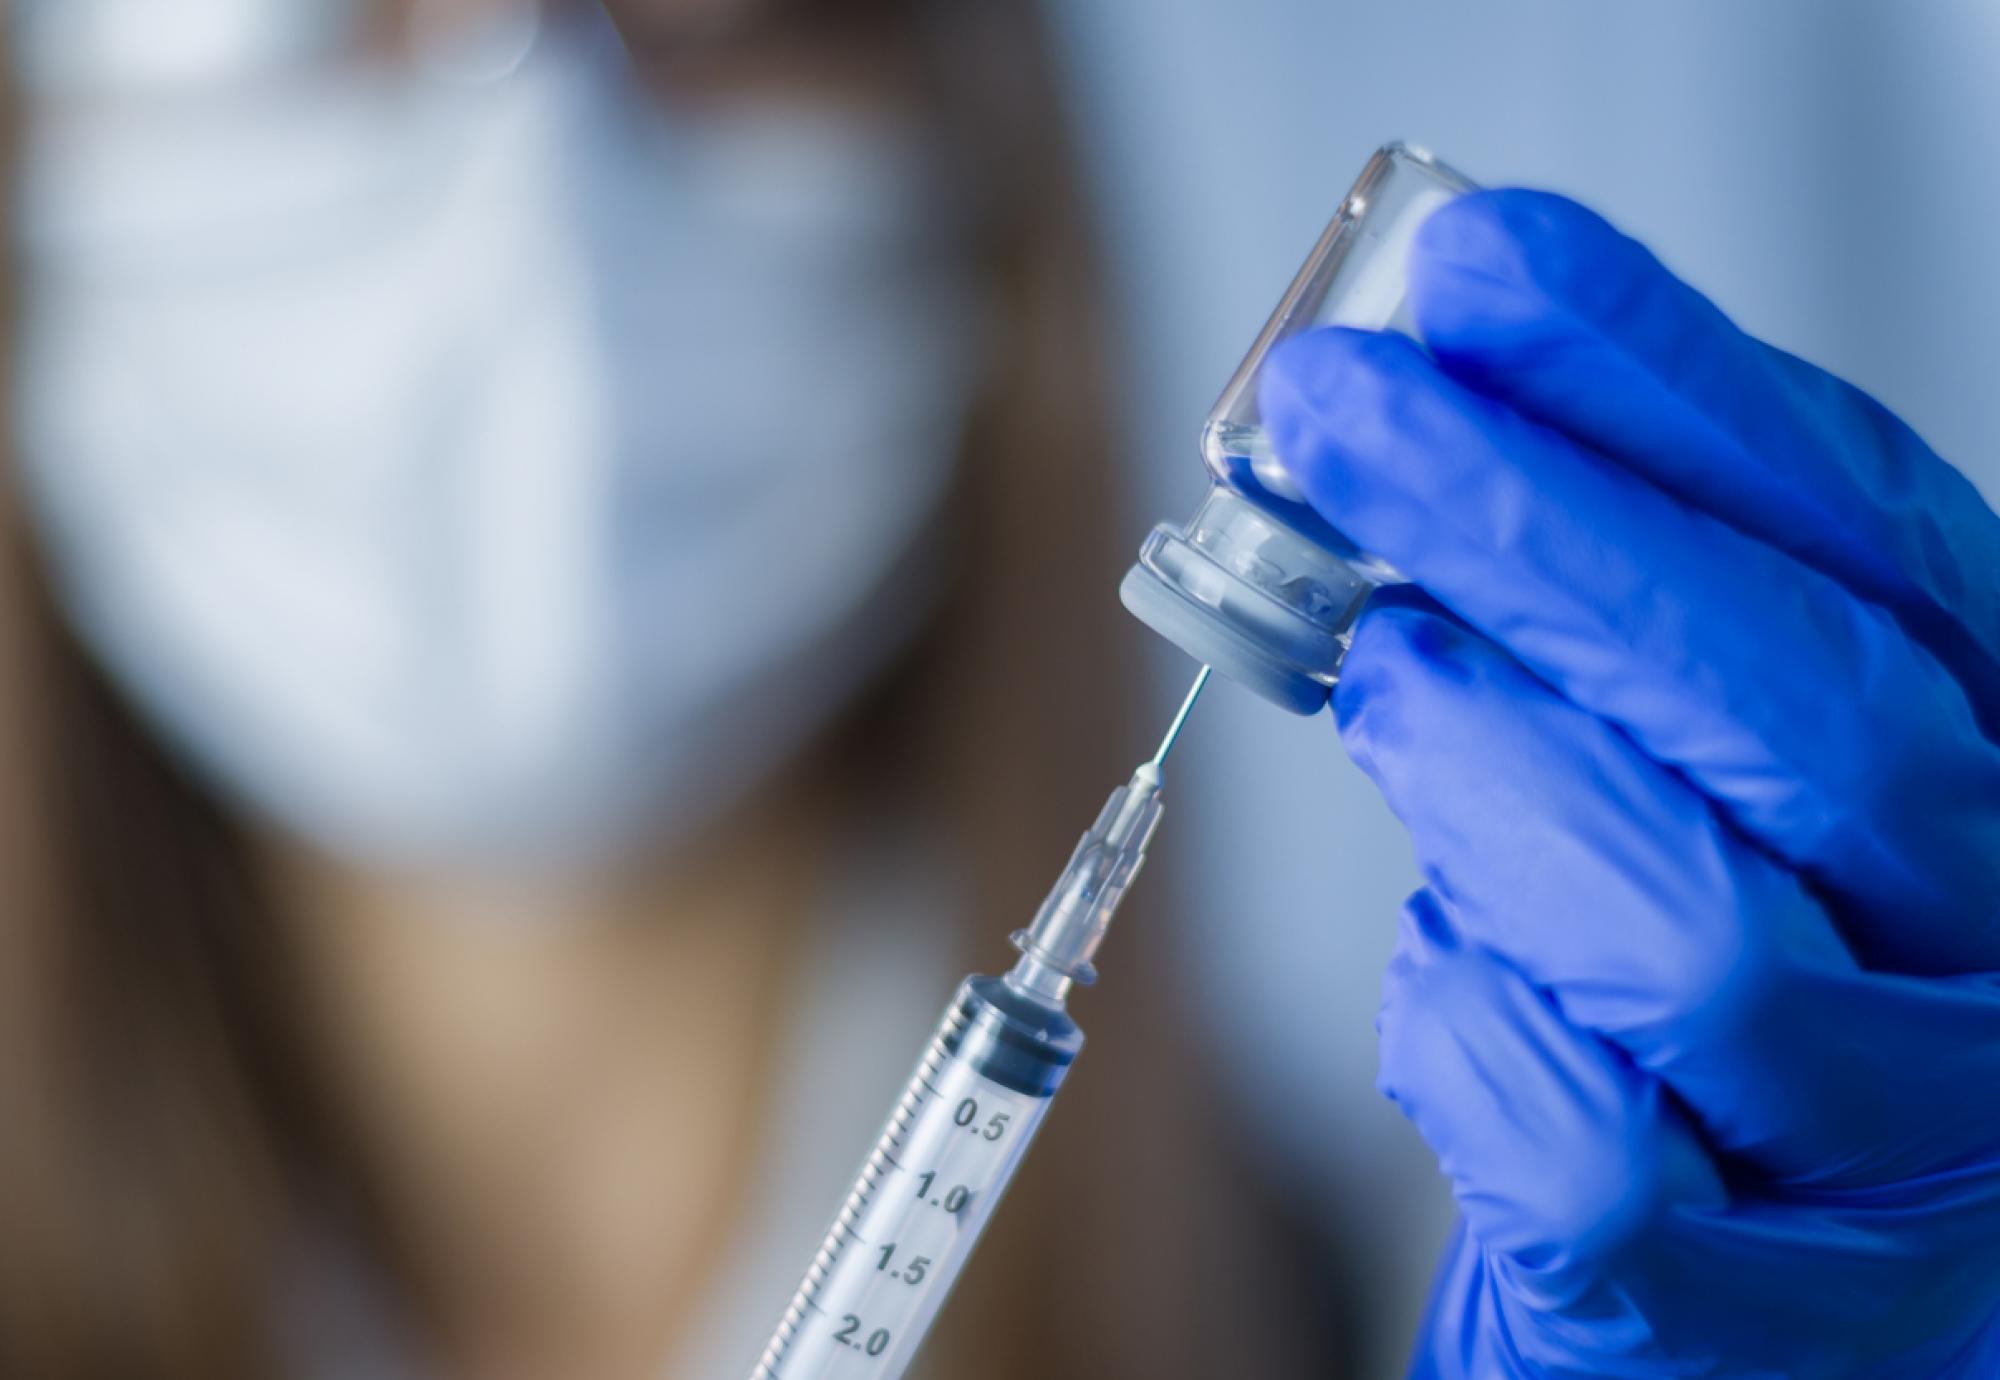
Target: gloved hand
1694	728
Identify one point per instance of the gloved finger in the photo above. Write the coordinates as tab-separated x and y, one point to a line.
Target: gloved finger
1894	1282
1815	725
1561	1155
1535	301
1609	883
1600	1238
1821	1289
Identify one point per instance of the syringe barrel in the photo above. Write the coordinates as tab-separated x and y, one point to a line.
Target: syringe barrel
926	1191
956	1135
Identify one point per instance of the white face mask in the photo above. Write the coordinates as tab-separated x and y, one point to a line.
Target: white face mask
461	472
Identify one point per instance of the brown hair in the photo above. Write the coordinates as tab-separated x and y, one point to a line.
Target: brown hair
139	1088
161	1117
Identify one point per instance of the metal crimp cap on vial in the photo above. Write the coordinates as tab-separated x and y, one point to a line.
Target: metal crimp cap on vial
1241	590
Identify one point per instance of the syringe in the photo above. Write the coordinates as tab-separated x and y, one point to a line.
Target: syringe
957	1133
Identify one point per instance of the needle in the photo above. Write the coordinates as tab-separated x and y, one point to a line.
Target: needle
1180	719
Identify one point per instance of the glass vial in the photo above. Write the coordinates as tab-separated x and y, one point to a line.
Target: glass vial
1256	584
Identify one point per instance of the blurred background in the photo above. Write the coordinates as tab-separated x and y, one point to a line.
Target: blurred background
564	590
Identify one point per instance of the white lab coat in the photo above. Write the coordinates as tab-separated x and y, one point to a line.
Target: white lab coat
1820	167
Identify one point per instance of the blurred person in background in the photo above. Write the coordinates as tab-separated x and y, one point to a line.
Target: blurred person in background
530	529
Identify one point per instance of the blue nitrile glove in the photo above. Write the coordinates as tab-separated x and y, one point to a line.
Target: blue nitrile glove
1700	1004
